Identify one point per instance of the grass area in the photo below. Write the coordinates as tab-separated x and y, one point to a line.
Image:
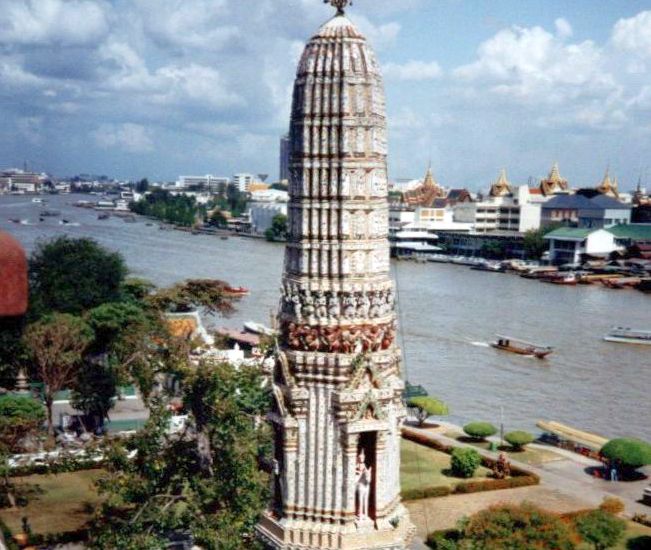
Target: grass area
56	503
529	455
638	537
422	467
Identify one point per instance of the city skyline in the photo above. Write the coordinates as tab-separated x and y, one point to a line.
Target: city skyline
202	87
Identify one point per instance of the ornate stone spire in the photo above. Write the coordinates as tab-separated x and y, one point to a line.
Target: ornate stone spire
337	384
502	187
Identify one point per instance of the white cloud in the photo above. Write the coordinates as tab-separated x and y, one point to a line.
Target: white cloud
563	28
634	34
128	137
532	65
413	70
66	22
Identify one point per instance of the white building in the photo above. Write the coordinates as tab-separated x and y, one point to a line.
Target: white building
264	206
208	181
567	245
243	181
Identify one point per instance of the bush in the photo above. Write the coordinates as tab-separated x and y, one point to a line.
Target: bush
515	527
518	439
465	462
424	407
601	529
480	430
612	505
630	453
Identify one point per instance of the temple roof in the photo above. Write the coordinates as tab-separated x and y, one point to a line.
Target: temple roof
554	182
13	277
338	27
502	187
426	193
607	186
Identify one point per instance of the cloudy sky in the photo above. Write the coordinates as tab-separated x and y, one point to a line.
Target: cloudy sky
158	88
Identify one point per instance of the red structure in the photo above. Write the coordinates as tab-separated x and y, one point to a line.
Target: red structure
13	277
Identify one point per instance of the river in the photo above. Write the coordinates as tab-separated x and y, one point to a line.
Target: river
448	314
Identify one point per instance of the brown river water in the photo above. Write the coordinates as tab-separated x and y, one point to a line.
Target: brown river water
448	314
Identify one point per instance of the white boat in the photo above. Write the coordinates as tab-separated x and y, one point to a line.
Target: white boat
629	336
258	328
38	201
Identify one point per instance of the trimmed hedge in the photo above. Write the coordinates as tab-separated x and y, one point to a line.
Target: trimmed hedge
630	453
480	430
518	439
465	462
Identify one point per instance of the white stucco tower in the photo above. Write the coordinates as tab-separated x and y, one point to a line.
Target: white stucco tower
337	385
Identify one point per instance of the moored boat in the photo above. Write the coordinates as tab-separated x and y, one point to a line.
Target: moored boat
521	347
258	328
629	336
565	279
236	291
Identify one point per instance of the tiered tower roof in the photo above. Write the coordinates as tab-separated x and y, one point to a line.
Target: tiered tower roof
554	183
502	187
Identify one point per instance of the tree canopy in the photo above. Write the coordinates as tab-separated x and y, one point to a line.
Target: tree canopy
424	407
278	229
601	529
69	275
628	452
204	480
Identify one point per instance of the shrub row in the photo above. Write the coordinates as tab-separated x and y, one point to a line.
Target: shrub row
470	487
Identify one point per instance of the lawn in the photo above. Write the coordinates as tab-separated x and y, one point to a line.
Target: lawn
56	503
422	467
529	455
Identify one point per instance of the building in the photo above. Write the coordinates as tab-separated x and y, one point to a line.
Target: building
573	245
635	234
20	181
424	194
264	206
208	182
580	211
285	151
243	181
337	386
554	183
499	212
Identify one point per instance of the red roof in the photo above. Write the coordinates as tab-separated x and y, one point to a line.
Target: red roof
535	191
13	277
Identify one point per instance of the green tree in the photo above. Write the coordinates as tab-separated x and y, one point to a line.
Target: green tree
480	430
464	462
424	407
518	439
20	417
94	390
493	249
534	241
204	480
56	345
218	219
601	529
627	453
278	229
523	527
12	351
73	275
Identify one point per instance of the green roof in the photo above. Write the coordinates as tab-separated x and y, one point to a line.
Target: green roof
635	231
570	233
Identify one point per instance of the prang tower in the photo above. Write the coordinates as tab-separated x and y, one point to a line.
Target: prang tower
337	385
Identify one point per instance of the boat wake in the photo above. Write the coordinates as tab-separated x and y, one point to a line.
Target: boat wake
480	344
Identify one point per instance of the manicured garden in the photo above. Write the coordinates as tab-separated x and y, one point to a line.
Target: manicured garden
424	469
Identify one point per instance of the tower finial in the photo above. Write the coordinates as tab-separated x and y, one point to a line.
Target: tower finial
339	4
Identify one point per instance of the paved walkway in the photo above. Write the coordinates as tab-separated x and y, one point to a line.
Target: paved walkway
565	486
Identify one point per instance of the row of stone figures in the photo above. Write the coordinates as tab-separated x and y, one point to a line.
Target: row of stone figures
339	339
321	305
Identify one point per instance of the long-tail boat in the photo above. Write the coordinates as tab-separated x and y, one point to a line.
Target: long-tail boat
521	347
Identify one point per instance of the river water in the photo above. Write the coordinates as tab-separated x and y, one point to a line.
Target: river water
448	314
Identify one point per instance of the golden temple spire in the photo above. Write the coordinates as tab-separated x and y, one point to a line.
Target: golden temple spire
555	174
429	180
501	187
339	4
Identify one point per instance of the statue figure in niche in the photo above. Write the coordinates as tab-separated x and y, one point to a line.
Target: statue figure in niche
308	304
334	307
296	302
363	476
321	305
